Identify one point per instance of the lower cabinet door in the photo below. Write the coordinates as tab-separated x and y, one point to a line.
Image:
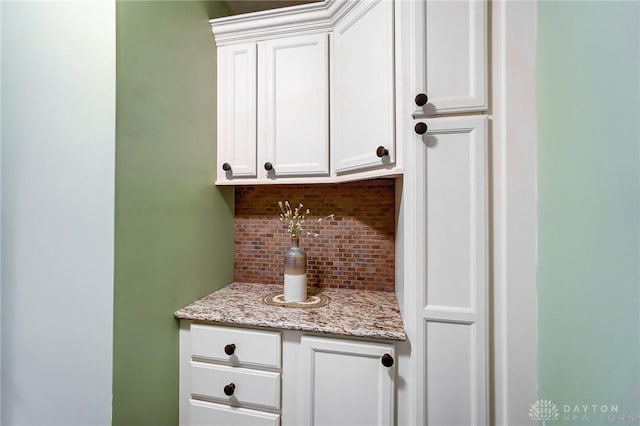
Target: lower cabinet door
347	382
203	413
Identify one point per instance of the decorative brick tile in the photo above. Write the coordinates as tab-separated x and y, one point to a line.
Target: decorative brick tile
356	250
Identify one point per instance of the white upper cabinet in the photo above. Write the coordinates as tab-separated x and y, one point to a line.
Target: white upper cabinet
293	105
363	88
237	110
307	93
322	92
451	56
273	109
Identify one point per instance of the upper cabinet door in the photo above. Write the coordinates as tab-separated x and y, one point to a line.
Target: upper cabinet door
237	113
363	92
451	56
293	99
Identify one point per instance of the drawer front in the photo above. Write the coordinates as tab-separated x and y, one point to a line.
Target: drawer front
251	347
203	413
251	387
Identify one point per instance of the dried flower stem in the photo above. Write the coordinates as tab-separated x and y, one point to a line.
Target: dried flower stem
296	217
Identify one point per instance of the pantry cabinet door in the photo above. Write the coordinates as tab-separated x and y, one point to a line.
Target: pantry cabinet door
363	89
344	383
293	99
452	299
237	112
451	56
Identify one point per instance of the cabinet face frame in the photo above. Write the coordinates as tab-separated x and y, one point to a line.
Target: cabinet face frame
237	111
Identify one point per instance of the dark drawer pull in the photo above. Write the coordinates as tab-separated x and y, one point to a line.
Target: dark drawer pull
229	389
268	166
226	167
230	349
420	128
421	99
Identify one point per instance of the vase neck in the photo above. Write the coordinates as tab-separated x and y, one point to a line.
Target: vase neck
295	242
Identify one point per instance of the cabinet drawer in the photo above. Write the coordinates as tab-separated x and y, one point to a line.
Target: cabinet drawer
203	413
251	387
252	347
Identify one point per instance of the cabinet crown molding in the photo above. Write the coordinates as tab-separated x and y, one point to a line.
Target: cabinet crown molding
300	19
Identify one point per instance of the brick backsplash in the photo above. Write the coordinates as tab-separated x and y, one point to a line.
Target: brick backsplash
355	250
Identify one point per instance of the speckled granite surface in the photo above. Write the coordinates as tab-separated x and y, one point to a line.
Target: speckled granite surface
361	313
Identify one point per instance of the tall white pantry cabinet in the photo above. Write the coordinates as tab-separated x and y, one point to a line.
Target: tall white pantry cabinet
347	90
446	177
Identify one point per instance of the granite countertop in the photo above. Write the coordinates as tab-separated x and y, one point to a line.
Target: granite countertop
359	313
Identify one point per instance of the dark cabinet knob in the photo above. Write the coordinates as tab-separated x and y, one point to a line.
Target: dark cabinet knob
229	389
268	166
226	167
421	99
387	360
230	349
382	151
420	128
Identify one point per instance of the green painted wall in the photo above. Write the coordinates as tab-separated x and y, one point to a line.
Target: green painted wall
588	87
174	229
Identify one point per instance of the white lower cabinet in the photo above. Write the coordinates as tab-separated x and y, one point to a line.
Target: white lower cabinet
234	376
207	413
229	376
346	383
